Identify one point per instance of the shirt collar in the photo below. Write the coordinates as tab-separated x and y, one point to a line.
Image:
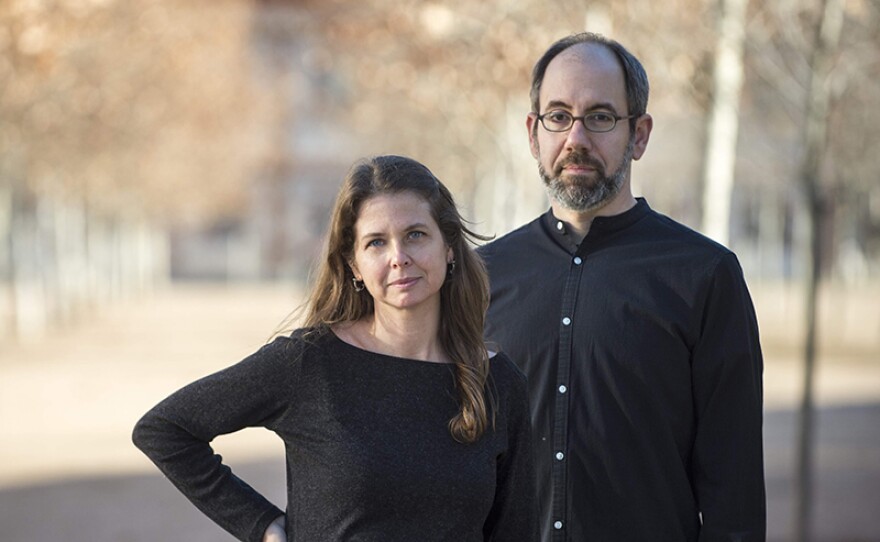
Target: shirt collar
601	226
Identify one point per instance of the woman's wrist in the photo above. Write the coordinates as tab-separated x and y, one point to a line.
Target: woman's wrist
275	531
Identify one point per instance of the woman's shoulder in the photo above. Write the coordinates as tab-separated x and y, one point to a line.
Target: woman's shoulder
296	343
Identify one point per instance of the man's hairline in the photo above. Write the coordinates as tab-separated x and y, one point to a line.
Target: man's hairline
536	104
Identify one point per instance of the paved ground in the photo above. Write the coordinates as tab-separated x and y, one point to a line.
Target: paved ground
68	471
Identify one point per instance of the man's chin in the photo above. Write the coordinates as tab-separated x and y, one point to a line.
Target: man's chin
579	180
584	200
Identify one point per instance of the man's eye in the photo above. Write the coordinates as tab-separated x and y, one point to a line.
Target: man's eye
602	117
558	117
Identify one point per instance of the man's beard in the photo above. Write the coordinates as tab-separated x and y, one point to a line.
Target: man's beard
579	192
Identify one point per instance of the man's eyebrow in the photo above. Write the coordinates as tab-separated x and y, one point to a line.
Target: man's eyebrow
602	106
555	104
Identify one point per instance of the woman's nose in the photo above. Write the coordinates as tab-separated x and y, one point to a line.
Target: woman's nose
400	258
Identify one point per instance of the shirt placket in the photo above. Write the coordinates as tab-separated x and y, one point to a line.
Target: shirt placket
563	390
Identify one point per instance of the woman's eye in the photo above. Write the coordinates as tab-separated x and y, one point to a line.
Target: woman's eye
375	243
416	234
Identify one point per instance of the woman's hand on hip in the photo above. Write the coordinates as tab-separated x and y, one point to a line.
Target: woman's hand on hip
275	531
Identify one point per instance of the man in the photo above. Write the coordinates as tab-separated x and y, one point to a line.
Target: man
637	334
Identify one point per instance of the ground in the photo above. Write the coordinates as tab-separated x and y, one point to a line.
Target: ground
68	470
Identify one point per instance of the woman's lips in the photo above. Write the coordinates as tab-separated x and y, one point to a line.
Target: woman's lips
404	282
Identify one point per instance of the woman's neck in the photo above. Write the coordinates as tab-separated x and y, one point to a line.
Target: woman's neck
403	334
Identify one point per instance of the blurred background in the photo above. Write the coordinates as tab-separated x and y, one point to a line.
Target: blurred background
167	170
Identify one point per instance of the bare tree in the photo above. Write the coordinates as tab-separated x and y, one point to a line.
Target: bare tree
448	82
116	117
827	38
723	120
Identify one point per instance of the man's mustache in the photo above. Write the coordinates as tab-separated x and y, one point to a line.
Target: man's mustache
579	158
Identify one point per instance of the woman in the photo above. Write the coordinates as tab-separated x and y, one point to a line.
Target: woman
397	424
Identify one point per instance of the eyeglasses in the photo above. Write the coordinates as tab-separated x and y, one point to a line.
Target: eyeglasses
597	121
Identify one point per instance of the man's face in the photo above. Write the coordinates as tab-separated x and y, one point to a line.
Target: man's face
591	189
582	170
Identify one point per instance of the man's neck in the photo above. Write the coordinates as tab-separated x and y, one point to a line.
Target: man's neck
579	222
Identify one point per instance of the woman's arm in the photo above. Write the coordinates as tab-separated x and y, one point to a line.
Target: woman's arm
176	436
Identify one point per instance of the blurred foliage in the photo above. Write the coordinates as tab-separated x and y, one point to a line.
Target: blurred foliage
133	106
176	108
438	79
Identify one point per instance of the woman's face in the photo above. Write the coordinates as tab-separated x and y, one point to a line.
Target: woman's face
400	252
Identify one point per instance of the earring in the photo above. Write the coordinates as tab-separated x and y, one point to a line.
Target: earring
358	284
450	268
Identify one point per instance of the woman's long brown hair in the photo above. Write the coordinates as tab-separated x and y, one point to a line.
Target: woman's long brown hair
464	295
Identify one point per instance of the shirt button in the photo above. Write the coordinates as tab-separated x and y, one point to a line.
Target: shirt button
557	525
566	321
562	389
578	260
560	456
560	225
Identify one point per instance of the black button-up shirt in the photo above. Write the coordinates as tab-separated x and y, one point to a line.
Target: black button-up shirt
644	365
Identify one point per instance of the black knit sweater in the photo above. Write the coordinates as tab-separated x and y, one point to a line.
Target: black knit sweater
369	453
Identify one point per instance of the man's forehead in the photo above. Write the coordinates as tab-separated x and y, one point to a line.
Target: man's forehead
585	57
584	67
586	50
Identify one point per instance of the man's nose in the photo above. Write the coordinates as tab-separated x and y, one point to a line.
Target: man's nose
579	136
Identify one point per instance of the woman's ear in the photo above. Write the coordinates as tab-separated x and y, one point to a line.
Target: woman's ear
354	270
450	255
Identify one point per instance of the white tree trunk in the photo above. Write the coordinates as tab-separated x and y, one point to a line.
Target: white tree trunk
723	121
7	307
510	193
30	308
70	234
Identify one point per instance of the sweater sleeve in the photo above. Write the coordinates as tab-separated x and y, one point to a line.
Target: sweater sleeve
176	436
514	513
727	461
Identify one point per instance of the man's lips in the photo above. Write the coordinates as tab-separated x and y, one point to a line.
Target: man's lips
578	167
578	163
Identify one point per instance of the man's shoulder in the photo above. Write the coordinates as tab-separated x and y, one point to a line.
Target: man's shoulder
528	232
506	375
668	229
673	242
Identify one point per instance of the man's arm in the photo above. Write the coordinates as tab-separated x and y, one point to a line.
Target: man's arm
727	462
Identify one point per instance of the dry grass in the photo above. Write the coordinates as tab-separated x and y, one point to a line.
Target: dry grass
848	354
68	402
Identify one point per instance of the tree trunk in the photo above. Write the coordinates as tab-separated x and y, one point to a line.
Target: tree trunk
723	121
818	100
30	308
7	307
